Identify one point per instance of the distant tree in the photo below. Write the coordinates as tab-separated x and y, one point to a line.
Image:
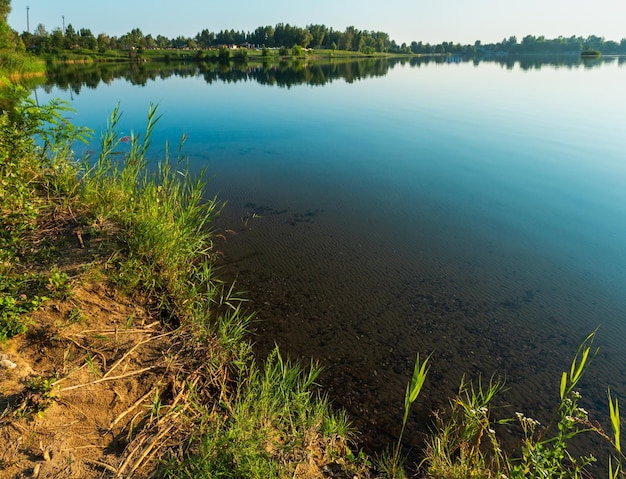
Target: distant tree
70	38
263	36
104	42
162	42
205	39
87	40
57	40
318	33
150	42
347	39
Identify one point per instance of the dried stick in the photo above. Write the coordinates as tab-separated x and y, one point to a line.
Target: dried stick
137	403
104	465
130	351
133	373
145	452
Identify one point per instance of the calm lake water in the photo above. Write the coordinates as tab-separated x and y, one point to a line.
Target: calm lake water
476	210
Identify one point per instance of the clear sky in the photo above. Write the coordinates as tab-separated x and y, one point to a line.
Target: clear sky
431	21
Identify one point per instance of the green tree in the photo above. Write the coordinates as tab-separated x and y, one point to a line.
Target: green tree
8	38
5	9
347	39
162	42
57	40
70	38
104	42
87	40
318	33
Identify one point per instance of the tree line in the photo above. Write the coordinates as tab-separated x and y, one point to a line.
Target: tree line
280	35
312	36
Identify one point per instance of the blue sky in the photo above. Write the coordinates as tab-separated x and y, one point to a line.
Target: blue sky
430	21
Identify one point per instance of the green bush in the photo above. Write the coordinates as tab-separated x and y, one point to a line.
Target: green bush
223	54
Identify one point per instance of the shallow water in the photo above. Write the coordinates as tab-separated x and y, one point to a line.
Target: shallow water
472	210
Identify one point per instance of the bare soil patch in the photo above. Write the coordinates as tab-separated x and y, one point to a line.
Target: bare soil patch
85	392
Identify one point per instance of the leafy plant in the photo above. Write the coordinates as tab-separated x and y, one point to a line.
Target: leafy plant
39	394
458	448
58	283
544	450
12	321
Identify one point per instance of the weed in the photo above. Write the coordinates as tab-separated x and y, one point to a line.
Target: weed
544	450
458	447
13	311
92	367
75	315
58	284
39	394
391	462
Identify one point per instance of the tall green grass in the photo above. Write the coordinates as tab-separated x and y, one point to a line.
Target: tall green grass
271	427
16	64
162	210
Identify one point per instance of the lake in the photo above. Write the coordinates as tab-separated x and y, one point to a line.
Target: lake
380	209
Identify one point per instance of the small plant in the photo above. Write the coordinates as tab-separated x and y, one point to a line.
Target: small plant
75	315
545	454
58	283
457	448
92	367
615	440
13	311
155	406
39	394
391	463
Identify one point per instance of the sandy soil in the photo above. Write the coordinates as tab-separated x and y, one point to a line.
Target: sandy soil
83	392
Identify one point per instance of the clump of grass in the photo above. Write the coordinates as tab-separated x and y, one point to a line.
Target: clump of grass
270	426
464	442
30	184
162	210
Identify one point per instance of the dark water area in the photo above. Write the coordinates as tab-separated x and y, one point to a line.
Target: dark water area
380	209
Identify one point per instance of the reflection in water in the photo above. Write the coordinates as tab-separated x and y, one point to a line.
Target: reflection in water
286	74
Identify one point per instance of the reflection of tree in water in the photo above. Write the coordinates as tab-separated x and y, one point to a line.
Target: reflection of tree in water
284	74
525	62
